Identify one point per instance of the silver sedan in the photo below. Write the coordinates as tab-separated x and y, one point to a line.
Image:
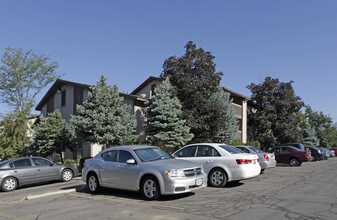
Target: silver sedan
147	169
31	170
266	160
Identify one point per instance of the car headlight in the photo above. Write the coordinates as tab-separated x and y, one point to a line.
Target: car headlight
174	173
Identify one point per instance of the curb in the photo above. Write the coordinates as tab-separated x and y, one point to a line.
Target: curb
50	194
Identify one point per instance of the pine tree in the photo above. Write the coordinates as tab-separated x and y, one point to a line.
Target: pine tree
52	135
229	124
104	118
309	136
165	128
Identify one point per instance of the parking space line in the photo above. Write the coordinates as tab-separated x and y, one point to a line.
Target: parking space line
13	202
50	194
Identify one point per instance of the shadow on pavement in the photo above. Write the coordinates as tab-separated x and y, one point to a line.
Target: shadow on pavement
82	188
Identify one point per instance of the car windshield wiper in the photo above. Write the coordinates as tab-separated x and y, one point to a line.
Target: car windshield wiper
156	158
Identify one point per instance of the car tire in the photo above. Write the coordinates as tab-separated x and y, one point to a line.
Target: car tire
93	183
67	175
262	170
9	184
150	188
294	162
217	178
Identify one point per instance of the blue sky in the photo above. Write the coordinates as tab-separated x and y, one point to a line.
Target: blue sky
128	41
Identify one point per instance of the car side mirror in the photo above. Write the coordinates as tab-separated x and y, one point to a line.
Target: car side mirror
131	161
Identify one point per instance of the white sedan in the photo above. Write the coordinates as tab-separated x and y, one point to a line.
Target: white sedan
221	162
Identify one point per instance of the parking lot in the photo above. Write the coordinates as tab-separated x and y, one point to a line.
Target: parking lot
305	192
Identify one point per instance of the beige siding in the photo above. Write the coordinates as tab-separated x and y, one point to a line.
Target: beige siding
147	89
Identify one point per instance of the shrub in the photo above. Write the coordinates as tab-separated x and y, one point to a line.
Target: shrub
70	161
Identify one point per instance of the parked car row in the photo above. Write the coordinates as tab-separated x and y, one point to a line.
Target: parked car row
153	172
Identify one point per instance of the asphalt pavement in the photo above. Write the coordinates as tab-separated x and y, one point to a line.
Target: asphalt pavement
305	192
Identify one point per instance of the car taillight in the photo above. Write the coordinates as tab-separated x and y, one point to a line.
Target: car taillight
266	157
308	154
243	161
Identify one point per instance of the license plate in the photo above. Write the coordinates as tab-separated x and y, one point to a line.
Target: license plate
198	182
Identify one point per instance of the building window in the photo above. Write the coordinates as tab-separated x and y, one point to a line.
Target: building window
50	105
63	98
152	93
240	124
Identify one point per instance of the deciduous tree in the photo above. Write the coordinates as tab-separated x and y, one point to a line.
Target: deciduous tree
22	76
195	79
273	114
13	135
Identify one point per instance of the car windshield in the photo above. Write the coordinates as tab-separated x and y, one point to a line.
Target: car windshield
151	154
231	150
256	150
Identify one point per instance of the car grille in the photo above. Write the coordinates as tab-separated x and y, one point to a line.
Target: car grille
193	172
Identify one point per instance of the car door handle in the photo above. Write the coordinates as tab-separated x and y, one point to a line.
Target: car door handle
209	161
117	166
15	171
38	169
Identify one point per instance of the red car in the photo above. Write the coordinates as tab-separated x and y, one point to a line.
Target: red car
334	149
291	155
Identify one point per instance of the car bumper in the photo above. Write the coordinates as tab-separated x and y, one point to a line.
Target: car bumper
267	164
183	185
245	172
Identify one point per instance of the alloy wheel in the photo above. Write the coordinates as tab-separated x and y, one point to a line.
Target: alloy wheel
150	188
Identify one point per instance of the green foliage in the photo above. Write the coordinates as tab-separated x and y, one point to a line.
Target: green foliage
104	118
165	128
325	130
52	135
273	114
195	79
13	135
237	142
228	126
70	161
309	134
22	76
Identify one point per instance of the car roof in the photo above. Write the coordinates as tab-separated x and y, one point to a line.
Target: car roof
128	147
211	144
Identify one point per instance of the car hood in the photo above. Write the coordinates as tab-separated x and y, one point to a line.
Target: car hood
173	164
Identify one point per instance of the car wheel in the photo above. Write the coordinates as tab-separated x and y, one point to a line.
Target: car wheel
67	175
150	188
313	158
262	170
217	178
294	162
93	183
9	184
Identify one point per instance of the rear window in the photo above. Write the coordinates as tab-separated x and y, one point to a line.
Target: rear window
231	150
4	164
256	150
